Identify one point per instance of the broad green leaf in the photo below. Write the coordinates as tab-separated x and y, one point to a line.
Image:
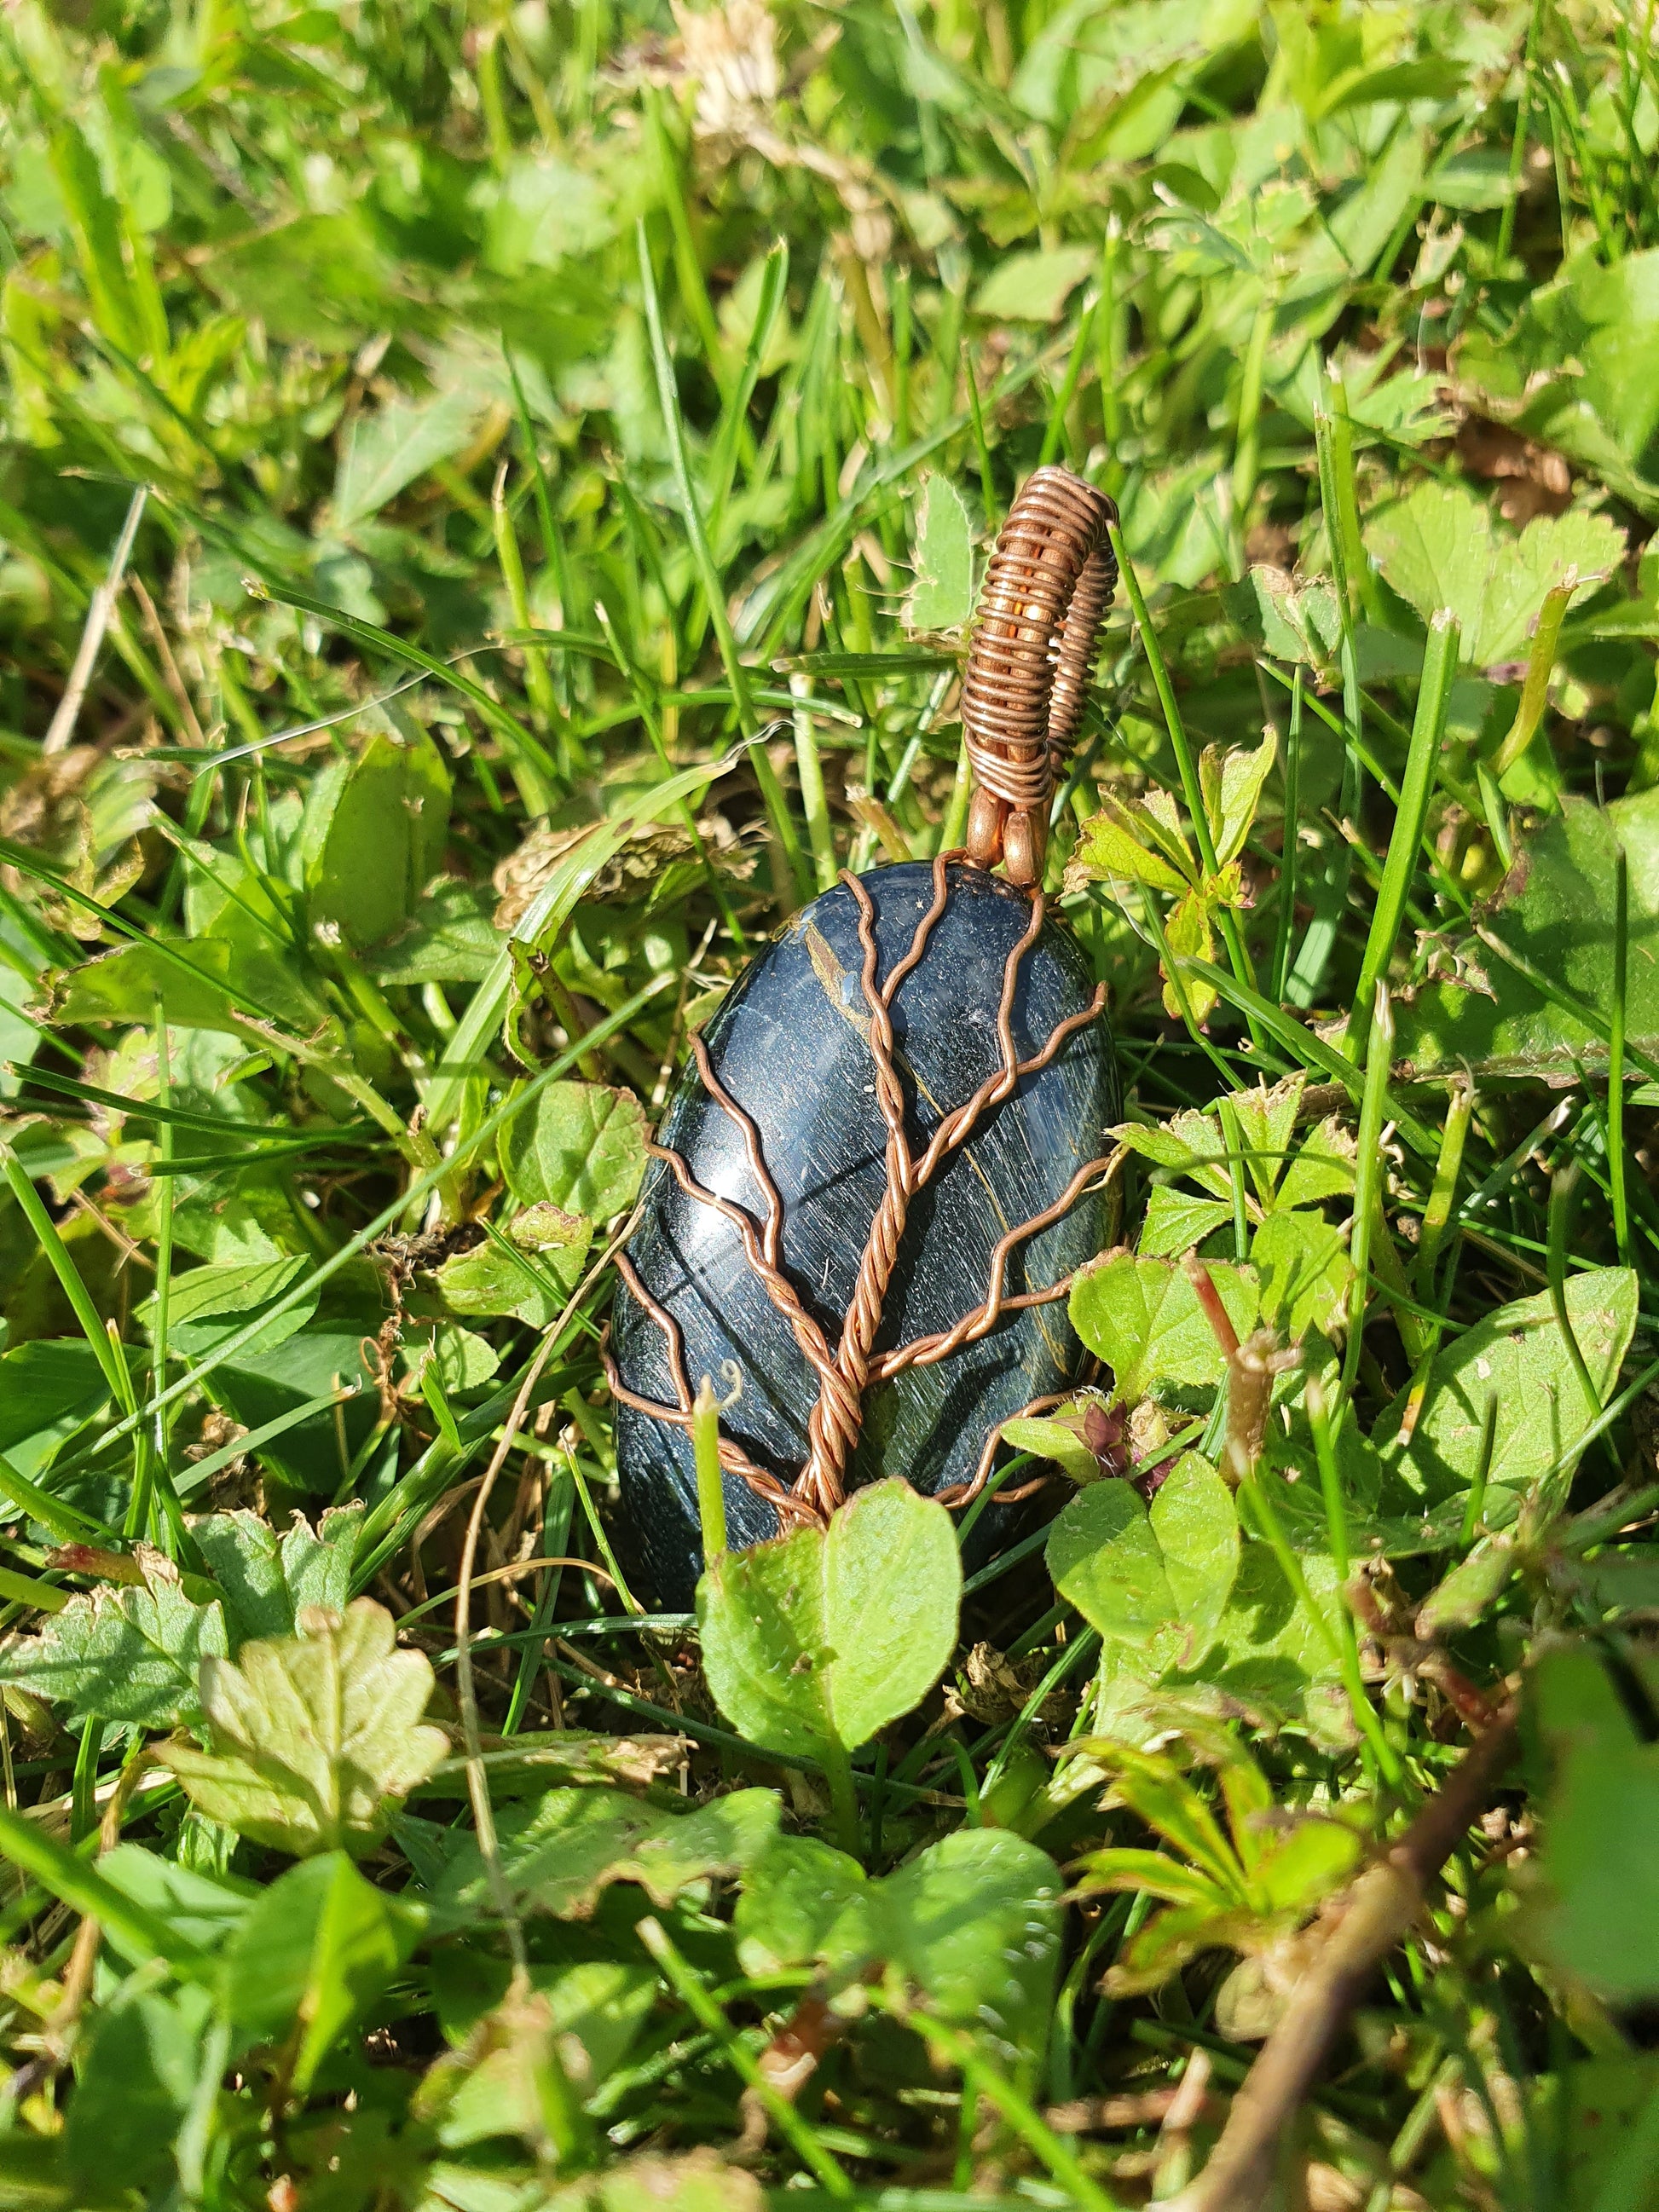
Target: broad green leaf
124	1652
1518	1356
1323	1169
450	939
386	450
560	1852
137	2076
1594	1911
47	1389
318	280
1269	1652
1174	1221
1577	369
204	1911
308	1454
1316	1858
1113	849
1055	1440
971	1924
1289	621
1033	287
825	1637
942	596
578	1146
494	1278
316	1947
1189	1144
1164	1943
1154	1787
315	1737
1438	548
1141	1315
603	2003
1231	787
378	839
1191	933
1303	1265
1155	1874
1267	1123
803	1903
1556	912
208	1305
1156	1578
268	1580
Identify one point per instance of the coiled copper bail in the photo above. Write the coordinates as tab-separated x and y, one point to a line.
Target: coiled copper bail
1046	592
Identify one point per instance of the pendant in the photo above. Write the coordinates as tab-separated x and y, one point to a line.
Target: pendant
887	1157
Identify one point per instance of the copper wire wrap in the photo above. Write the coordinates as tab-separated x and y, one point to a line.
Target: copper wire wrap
847	1370
1046	593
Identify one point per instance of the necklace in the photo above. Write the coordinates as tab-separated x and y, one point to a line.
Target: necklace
886	1160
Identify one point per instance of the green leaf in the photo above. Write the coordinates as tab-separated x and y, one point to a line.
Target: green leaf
1266	1122
134	2085
1289	621
316	1949
561	1851
1296	1872
315	1737
495	1278
603	2003
1189	1144
47	1389
1116	848
1323	1169
1231	788
204	1911
450	938
386	450
124	1652
1596	1912
971	1924
1438	549
1055	1440
268	1580
1304	1271
379	838
1156	1579
1033	287
1519	1356
1269	1652
822	1637
942	596
1141	1315
578	1146
1175	1222
208	1305
1556	913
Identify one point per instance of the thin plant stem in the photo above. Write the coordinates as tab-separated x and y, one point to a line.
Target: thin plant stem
1368	1174
1417	788
1616	1160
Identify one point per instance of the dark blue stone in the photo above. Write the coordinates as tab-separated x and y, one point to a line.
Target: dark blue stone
790	1045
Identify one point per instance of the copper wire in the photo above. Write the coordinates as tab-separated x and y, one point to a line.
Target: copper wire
1046	592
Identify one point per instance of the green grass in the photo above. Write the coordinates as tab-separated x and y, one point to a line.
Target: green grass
534	410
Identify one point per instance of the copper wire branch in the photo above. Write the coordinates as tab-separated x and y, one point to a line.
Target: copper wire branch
845	1372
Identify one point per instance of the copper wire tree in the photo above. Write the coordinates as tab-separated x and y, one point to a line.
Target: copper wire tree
1047	589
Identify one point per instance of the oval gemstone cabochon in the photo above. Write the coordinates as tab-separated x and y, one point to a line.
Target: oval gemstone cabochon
791	1046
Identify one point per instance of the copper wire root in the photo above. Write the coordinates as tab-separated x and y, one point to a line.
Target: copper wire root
955	1495
1046	593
